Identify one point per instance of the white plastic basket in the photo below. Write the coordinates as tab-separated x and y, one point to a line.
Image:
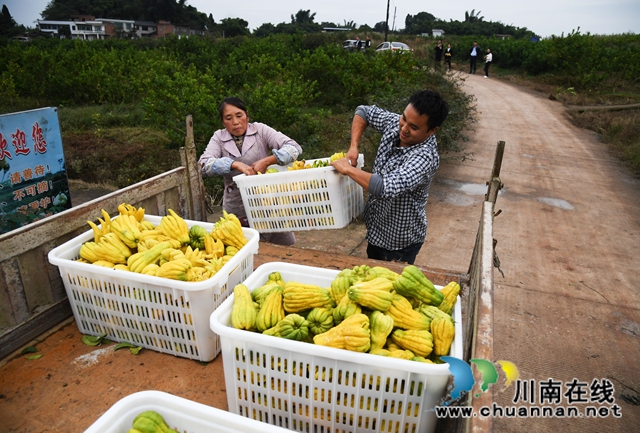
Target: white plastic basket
309	388
310	199
156	313
183	415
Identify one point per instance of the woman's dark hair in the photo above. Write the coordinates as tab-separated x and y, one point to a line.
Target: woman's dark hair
430	103
232	100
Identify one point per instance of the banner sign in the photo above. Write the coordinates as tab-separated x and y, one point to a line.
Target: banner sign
33	177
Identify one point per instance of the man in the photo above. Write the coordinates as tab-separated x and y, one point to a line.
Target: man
474	53
398	185
439	49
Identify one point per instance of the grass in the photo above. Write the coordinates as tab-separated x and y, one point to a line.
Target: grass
117	156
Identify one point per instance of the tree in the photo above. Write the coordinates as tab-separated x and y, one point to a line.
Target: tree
147	10
234	27
64	32
350	24
422	22
303	17
380	27
264	30
7	23
472	17
303	21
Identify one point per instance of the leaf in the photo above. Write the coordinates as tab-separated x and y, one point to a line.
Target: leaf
36	356
90	340
135	350
123	345
29	349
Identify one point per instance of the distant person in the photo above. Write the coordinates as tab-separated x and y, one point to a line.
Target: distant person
367	43
474	53
398	184
487	61
358	43
447	56
438	50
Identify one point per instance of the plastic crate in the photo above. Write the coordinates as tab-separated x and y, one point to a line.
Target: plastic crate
310	199
185	416
156	313
310	388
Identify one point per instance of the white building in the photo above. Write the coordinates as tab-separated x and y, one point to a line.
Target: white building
85	30
146	29
120	28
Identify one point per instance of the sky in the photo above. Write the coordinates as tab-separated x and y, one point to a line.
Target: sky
544	17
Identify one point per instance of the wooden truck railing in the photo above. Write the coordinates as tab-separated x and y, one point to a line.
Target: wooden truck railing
32	295
477	307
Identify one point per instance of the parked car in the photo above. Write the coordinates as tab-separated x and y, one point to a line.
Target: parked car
393	47
20	39
352	45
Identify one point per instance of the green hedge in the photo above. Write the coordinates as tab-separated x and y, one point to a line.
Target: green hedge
287	81
583	60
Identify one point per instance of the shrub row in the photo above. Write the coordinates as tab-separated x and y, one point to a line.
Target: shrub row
582	60
287	81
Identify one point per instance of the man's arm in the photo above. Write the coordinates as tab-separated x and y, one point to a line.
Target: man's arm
358	125
347	165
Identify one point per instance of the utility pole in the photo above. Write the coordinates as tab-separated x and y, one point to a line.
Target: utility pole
386	23
393	28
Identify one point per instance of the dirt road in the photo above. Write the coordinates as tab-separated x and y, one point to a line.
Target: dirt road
569	245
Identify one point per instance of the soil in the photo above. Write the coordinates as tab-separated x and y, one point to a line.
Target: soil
567	307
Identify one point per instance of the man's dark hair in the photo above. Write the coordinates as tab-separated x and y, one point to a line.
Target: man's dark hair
430	102
232	100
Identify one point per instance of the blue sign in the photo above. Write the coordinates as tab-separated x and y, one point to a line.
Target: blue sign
33	177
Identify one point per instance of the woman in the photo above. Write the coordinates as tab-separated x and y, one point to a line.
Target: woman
249	148
447	56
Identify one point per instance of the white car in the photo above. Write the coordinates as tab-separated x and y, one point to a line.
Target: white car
393	47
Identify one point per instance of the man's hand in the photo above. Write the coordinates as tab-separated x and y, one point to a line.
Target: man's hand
352	156
342	165
361	177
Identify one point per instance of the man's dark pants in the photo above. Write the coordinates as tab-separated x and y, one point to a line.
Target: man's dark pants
472	64
407	254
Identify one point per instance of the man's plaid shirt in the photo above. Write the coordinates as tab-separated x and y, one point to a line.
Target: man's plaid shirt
397	218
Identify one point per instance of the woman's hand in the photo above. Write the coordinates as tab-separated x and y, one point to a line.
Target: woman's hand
261	165
243	168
